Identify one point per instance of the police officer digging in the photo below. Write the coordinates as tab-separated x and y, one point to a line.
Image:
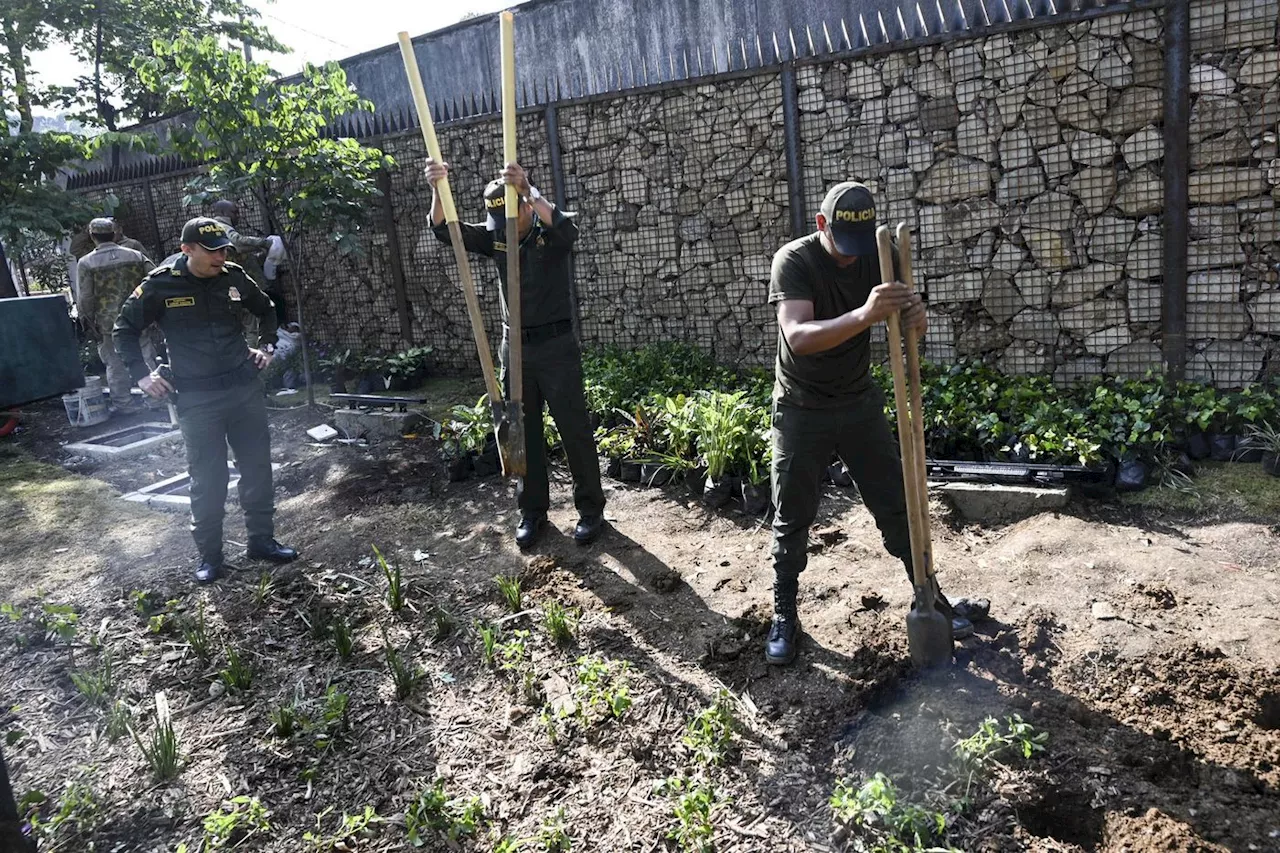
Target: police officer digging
105	277
215	376
552	358
828	294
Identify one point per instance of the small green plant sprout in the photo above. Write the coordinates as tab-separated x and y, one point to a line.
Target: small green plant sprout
354	830
285	720
602	690
61	621
560	623
509	587
488	643
11	611
72	826
144	602
405	675
989	745
443	623
97	685
507	844
238	674
196	633
343	641
396	593
875	812
263	591
119	718
332	720
161	749
692	828
710	734
231	827
553	835
435	812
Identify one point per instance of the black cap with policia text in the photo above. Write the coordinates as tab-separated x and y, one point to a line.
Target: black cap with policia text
209	233
850	211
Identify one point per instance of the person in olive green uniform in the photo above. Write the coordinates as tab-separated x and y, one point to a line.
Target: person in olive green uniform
828	294
552	358
105	278
220	397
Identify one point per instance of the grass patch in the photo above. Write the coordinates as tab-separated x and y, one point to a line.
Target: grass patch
1219	490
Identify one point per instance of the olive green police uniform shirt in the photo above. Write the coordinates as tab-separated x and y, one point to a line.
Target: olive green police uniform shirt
545	271
803	270
199	317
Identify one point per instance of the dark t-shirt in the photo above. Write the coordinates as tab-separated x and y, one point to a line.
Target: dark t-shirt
802	269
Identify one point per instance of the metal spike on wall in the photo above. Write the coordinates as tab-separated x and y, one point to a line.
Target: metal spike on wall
964	19
698	50
743	44
813	51
685	54
644	70
1008	13
826	33
902	23
844	29
759	51
986	16
671	63
924	28
866	37
559	90
1031	13
1053	7
884	31
715	59
777	54
942	19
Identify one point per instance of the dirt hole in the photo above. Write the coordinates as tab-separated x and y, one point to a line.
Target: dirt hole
1066	817
1268	711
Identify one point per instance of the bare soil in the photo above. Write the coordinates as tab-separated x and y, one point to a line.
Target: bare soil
1163	718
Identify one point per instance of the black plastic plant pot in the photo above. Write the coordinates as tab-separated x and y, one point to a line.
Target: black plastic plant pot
1222	446
717	493
630	471
696	480
1271	463
614	468
755	497
1247	451
839	475
655	474
1132	475
1198	445
460	468
487	463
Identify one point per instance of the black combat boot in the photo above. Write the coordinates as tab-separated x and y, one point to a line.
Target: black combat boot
528	529
210	568
784	633
266	548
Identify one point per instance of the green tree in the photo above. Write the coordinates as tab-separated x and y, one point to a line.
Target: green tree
26	27
260	138
108	36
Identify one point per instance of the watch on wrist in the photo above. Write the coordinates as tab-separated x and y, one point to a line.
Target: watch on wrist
269	349
533	194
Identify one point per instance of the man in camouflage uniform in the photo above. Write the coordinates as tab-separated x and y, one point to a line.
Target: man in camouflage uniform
249	252
107	276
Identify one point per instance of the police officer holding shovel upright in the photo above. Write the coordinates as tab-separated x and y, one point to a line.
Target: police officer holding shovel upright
552	359
196	300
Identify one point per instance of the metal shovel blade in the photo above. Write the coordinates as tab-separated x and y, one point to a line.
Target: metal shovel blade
509	418
928	633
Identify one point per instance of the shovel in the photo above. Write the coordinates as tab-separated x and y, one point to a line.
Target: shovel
928	631
510	448
513	422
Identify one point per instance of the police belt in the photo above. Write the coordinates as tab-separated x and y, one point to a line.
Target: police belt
242	375
538	334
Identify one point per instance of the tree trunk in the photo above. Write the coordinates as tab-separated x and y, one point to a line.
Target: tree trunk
18	64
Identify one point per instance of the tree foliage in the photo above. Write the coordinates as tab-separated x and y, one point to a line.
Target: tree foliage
260	138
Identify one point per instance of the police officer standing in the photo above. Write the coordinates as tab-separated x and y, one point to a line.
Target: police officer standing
828	294
106	275
552	358
220	397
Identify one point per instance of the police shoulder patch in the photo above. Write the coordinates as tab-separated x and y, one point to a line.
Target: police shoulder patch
137	292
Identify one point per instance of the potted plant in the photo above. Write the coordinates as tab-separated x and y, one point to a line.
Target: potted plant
1267	439
617	445
337	365
756	494
371	370
723	425
1249	409
466	440
408	369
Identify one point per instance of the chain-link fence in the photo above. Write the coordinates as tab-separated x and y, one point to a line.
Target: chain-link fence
1030	162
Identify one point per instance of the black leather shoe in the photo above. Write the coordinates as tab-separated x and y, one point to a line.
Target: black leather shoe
588	529
784	637
961	627
210	569
266	548
528	529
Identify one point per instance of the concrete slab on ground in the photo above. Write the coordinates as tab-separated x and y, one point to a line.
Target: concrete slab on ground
376	425
130	441
990	502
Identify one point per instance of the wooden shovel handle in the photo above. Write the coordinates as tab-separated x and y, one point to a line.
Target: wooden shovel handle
451	217
906	435
515	354
917	404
